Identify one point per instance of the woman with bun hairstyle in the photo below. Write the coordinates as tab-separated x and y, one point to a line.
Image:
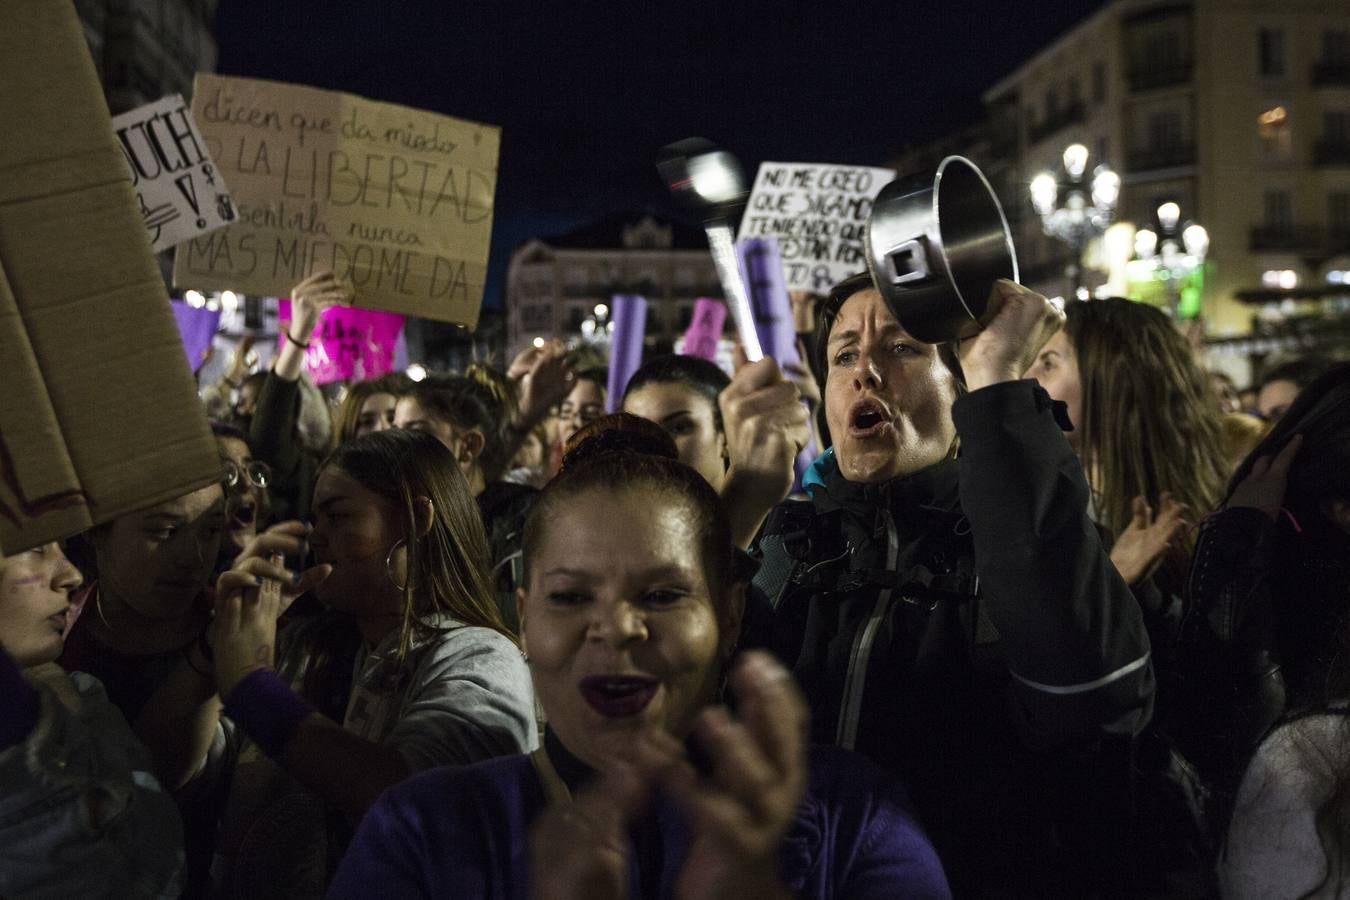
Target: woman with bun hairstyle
646	785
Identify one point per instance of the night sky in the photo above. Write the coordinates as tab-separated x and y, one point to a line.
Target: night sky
587	92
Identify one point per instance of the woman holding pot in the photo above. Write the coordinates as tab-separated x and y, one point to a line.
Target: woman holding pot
645	786
956	618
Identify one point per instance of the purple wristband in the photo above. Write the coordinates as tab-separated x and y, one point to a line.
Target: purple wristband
267	710
20	701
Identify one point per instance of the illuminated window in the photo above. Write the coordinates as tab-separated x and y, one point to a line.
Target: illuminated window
1277	143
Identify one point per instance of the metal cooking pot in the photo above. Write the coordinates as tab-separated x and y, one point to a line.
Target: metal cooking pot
936	243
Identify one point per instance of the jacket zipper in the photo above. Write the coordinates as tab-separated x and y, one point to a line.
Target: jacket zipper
855	682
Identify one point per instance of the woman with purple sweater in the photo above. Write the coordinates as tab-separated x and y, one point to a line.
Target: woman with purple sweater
646	785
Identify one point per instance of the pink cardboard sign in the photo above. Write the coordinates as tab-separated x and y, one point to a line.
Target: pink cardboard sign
705	328
348	342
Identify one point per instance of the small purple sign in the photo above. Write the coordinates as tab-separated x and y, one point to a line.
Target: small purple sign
628	312
196	326
705	328
348	343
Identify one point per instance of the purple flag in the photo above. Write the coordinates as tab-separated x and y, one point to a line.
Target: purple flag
762	267
705	328
197	326
628	312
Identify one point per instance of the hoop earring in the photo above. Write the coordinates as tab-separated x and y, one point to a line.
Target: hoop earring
388	564
98	608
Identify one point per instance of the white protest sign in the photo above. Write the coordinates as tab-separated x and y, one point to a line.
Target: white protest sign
818	212
178	186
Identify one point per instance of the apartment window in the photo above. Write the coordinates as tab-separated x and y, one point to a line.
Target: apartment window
1279	207
1336	48
1099	82
1164	130
1162	50
1075	92
1051	103
1336	127
1277	141
1270	46
1338	214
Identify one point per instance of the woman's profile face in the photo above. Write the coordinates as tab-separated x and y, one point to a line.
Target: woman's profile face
1056	368
245	502
376	414
409	413
888	397
35	588
689	418
618	621
355	530
582	406
157	560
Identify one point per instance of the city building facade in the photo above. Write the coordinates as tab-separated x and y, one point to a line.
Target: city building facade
146	49
553	285
1236	110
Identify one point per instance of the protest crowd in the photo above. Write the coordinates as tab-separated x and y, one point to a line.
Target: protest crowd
1040	609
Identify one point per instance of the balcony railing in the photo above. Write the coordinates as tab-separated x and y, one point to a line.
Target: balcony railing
1331	73
1149	78
1301	239
1167	157
1073	114
1331	152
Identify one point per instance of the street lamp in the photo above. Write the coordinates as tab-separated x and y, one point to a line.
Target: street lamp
1074	208
1172	251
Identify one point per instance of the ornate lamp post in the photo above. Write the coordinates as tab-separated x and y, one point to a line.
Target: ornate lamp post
1172	251
1073	207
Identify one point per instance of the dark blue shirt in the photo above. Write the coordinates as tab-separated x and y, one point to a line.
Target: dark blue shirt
462	833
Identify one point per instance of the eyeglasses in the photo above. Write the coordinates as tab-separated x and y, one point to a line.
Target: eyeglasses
259	474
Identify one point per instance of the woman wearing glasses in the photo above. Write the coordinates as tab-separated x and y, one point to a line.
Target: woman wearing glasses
247	502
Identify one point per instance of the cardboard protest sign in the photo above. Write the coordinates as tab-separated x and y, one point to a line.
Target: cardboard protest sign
818	212
98	413
395	200
197	327
348	342
180	193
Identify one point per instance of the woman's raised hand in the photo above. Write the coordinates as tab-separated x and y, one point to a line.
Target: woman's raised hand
579	850
1022	322
738	812
1143	542
741	811
311	297
250	598
1264	486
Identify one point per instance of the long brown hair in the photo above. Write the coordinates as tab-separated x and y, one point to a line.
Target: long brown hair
347	417
448	566
1149	423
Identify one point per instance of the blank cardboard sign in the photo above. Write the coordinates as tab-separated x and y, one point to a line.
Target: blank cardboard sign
98	411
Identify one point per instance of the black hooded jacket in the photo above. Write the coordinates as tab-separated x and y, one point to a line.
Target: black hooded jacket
964	627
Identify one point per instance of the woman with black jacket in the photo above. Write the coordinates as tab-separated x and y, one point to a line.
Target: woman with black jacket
956	617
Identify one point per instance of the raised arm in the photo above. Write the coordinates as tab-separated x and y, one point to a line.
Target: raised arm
1072	632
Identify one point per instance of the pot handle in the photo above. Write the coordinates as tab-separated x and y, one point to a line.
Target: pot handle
907	262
